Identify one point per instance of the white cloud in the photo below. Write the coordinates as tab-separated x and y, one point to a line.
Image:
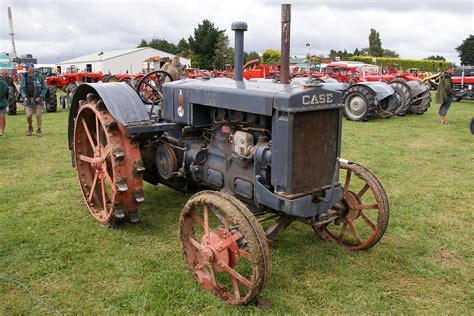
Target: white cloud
51	30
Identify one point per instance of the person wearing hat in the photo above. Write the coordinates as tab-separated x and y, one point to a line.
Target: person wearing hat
33	89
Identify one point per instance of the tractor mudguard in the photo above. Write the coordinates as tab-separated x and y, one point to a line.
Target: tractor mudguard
382	89
121	101
416	87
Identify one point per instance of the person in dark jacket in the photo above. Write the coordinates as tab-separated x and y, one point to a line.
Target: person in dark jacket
444	94
3	105
33	89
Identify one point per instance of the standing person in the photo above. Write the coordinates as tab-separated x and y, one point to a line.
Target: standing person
3	106
444	94
33	89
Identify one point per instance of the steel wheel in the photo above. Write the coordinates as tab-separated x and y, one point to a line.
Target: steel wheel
150	87
356	106
108	165
364	211
225	247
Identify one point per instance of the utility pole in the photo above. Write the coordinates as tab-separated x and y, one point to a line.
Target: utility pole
13	56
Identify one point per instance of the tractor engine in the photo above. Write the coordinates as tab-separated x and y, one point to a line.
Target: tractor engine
229	137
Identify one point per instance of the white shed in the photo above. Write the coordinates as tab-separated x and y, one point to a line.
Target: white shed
117	61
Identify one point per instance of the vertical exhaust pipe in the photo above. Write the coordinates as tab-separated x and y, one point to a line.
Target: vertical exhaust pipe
239	28
285	43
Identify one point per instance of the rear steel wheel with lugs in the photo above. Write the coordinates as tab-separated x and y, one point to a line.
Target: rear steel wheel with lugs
108	165
364	211
225	247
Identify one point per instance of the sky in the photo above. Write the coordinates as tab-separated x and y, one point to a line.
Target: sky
56	30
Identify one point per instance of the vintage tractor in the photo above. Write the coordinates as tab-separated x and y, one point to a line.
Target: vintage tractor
249	149
463	83
363	99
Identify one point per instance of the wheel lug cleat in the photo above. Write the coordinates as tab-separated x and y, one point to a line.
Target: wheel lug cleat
134	218
139	196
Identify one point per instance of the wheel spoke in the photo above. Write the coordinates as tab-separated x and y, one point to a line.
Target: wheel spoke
109	180
227	242
197	219
88	133
104	195
368	221
97	129
196	245
207	231
363	190
86	159
354	232
234	273
348	180
94	183
106	154
244	254
368	206
343	232
235	285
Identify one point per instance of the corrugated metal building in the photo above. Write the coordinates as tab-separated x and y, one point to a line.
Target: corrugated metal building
117	61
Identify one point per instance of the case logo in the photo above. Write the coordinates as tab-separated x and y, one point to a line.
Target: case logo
180	103
317	99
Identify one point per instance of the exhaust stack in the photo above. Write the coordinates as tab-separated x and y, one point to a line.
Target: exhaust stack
239	28
285	43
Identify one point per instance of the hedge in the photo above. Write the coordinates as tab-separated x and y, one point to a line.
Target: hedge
425	65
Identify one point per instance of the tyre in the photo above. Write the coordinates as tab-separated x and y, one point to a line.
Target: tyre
12	96
359	103
51	99
421	103
389	105
403	91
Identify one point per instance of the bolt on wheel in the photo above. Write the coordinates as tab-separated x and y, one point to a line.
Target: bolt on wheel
224	246
364	211
108	165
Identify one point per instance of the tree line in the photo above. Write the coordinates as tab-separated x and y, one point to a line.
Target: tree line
209	48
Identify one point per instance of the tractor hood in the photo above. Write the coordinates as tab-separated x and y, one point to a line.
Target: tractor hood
382	89
416	87
183	98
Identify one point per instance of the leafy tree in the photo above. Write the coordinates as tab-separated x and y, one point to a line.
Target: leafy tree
223	54
251	56
356	52
437	57
390	53
466	51
271	56
183	48
143	43
164	45
375	44
203	44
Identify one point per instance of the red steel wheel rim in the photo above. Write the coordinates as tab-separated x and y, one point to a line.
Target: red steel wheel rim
226	259
366	211
107	164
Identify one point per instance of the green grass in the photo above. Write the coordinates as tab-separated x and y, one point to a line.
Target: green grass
423	265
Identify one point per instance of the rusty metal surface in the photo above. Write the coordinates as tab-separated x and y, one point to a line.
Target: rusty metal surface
229	258
285	43
108	166
354	210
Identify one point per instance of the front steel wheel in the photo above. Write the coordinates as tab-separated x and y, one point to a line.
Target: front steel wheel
364	211
225	247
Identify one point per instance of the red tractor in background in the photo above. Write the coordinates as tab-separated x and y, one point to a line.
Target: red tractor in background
463	83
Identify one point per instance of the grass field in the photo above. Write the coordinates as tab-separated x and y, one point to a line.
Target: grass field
423	265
